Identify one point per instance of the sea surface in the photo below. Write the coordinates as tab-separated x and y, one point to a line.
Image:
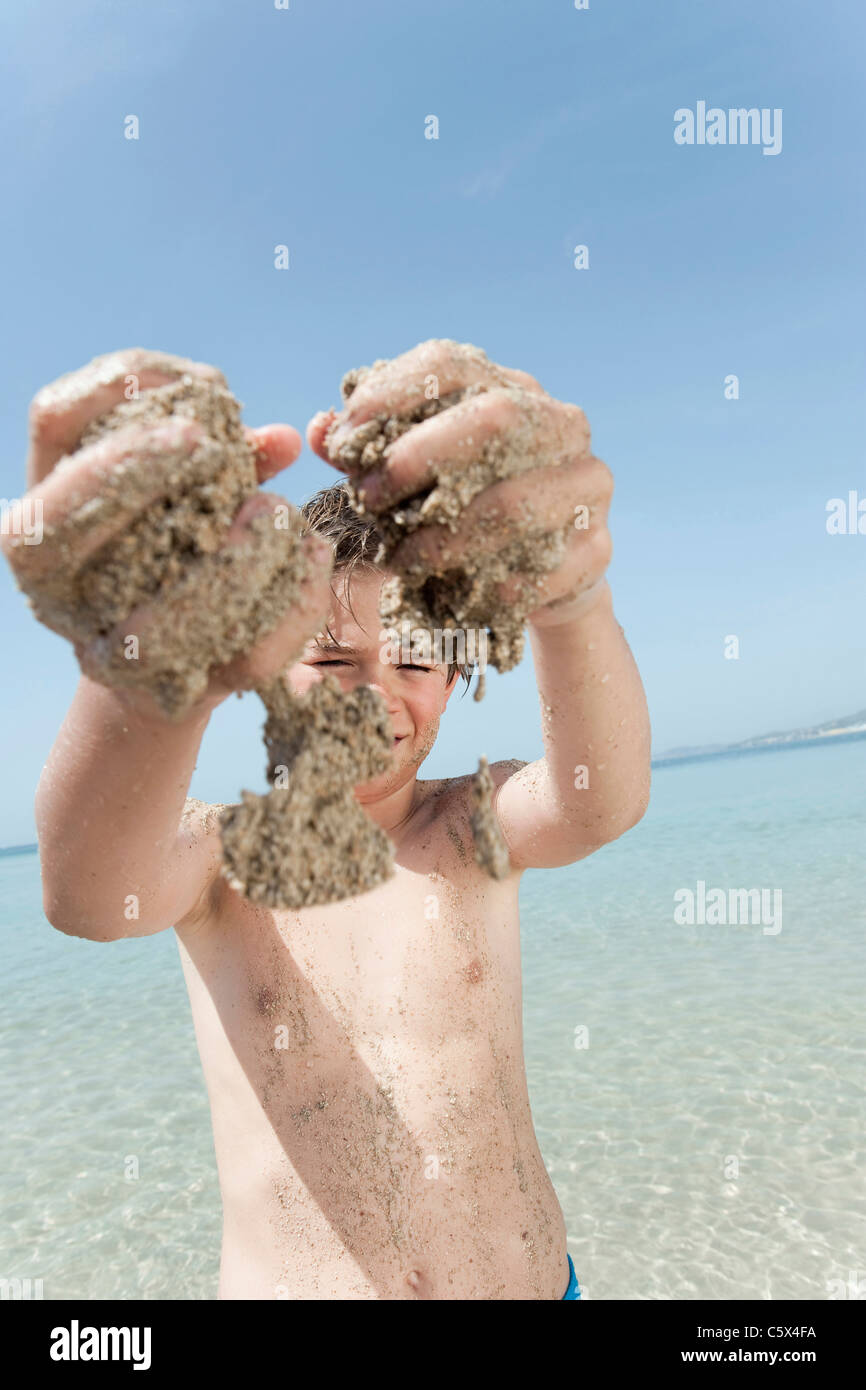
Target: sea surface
698	1090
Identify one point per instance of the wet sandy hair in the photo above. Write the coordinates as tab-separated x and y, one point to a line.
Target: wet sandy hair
355	543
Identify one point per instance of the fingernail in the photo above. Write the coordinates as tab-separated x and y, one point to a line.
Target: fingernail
370	493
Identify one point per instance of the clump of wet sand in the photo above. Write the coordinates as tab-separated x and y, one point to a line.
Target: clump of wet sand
465	592
309	841
491	851
223	600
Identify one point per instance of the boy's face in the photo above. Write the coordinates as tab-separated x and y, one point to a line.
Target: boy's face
415	694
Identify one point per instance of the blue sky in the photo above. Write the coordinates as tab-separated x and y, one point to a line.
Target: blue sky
306	127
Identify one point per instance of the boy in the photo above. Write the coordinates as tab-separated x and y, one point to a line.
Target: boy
364	1060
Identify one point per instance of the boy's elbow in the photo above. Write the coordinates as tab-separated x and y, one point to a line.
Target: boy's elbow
604	832
71	919
63	918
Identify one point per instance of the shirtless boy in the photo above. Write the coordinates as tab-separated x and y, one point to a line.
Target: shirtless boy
364	1060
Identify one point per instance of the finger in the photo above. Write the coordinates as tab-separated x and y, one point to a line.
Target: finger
95	493
287	640
446	443
310	604
195	589
61	411
317	429
579	573
541	502
260	504
276	446
263	574
535	429
98	491
523	379
309	608
431	370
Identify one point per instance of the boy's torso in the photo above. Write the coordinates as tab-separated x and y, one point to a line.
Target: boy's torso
364	1063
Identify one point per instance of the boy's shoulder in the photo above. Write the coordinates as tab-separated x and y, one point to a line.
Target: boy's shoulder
444	817
451	793
500	772
201	817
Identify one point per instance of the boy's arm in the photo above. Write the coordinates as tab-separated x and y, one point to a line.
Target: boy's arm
593	782
594	714
119	857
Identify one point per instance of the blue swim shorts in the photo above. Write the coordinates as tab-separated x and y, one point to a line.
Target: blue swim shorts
573	1290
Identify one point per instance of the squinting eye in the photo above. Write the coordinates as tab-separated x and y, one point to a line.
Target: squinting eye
333	662
411	666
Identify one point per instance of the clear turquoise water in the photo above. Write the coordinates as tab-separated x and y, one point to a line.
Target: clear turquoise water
707	1044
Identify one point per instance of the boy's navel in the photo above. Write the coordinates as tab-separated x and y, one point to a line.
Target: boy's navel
416	1280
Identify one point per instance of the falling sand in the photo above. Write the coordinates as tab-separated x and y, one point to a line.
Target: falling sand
309	841
491	851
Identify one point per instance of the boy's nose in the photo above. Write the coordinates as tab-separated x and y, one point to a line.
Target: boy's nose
381	688
377	678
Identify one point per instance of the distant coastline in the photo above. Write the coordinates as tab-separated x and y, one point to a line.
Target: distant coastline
846	730
849	730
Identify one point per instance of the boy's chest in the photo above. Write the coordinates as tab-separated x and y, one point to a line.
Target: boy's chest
392	1019
418	958
430	957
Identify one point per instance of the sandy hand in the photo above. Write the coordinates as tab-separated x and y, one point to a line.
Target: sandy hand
174	577
491	505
